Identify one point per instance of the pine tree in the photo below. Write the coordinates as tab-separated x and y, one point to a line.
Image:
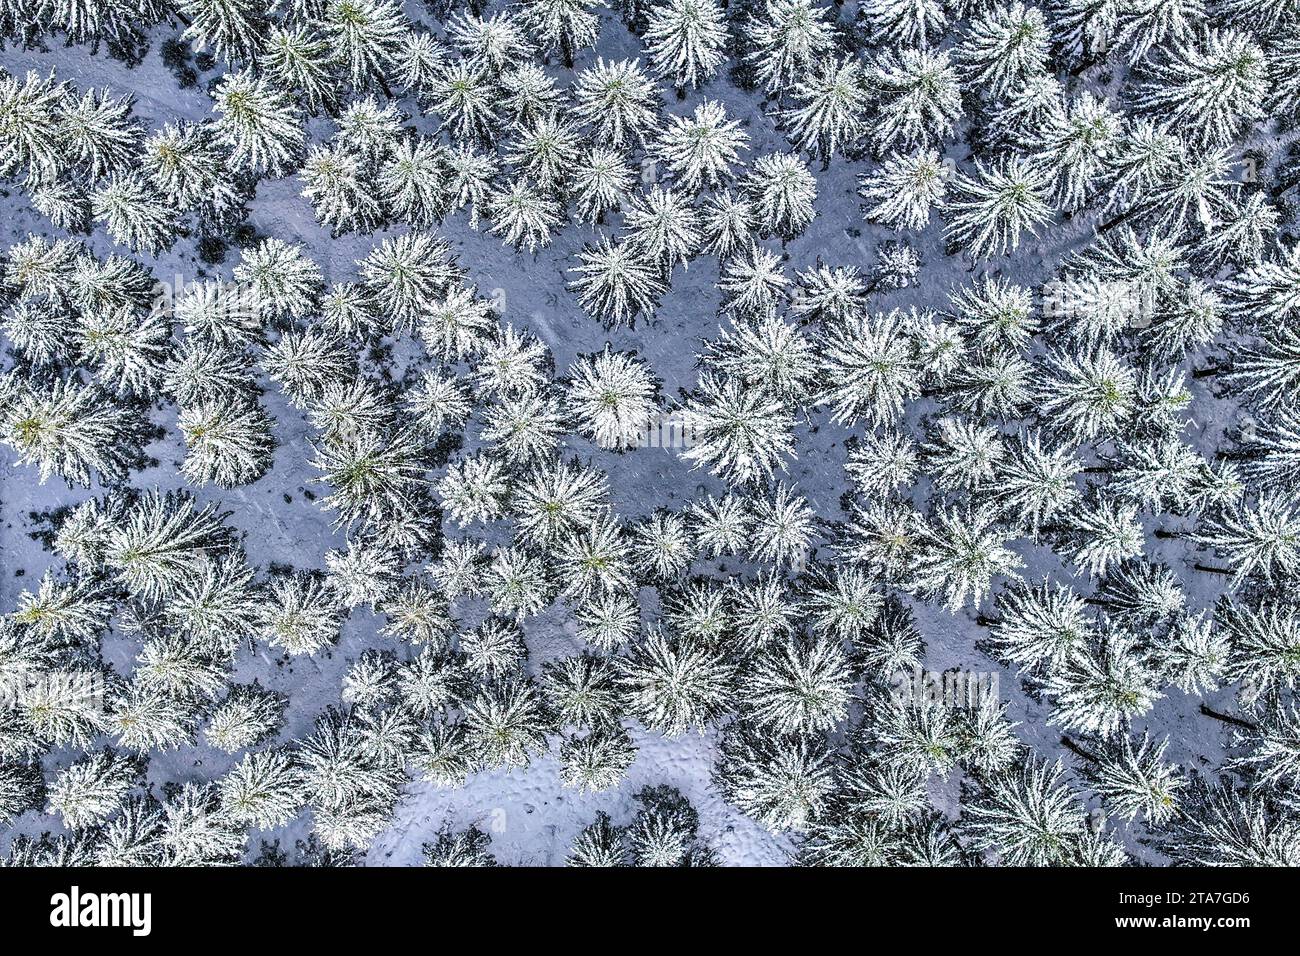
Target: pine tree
753	281
783	527
1264	638
300	615
337	186
728	222
989	213
1005	47
608	621
197	831
405	273
783	784
179	667
455	325
144	717
134	213
467	848
281	279
1254	541
1135	781
1041	626
599	845
227	445
685	41
1090	396
582	691
918	98
615	284
263	790
64	202
800	687
769	353
258	123
1269	753
31	136
91	789
885	536
231	27
904	191
495	649
22	788
67	613
363	574
545	149
701	150
246	717
1225	826
495	44
525	426
523	216
662	547
367	36
132	837
741	434
1213	85
782	191
960	555
869	369
1026	815
830	111
505	724
663	228
665	831
154	548
555	500
843	602
598	761
701	611
99	135
1102	533
374	475
599	181
351	790
1099	689
962	455
908	24
673	684
785	40
72	430
594	560
611	396
1037	484
413	182
369	130
561	26
300	58
1073	147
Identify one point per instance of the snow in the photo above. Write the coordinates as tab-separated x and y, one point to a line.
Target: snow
532	819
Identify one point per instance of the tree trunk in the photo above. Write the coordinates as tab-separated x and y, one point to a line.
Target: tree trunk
1070	745
1116	220
1228	718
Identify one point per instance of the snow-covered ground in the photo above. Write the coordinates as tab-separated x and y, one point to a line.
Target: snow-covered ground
532	819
